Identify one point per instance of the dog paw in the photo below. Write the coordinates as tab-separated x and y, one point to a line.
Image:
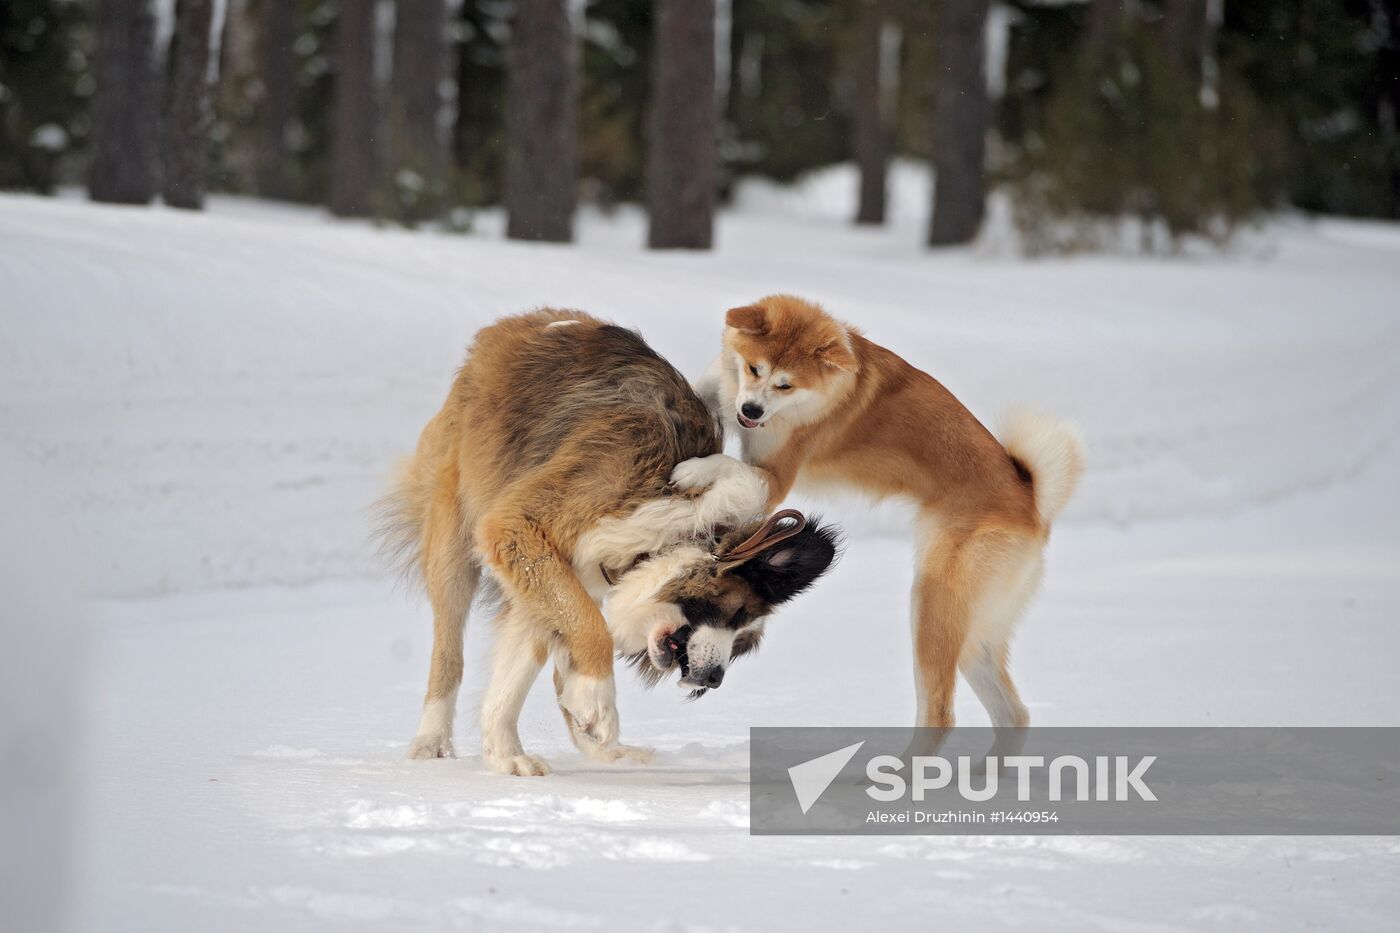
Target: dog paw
636	754
612	754
701	472
591	704
519	764
424	747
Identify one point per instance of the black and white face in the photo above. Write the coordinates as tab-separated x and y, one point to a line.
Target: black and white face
710	641
719	611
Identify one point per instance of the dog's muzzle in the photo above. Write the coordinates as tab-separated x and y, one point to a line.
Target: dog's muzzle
707	679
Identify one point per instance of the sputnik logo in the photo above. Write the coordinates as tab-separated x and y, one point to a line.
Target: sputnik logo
811	778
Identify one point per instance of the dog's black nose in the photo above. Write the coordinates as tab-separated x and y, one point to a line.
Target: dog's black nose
751	411
714	677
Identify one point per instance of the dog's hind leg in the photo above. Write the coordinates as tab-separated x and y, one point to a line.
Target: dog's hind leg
1010	574
988	674
970	587
941	616
516	658
451	573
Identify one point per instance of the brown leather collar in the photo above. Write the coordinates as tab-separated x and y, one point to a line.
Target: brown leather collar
611	580
767	535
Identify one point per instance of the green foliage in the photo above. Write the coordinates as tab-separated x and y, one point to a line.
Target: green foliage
237	105
478	139
1135	132
617	67
1329	74
45	83
315	81
410	197
1308	97
918	71
783	114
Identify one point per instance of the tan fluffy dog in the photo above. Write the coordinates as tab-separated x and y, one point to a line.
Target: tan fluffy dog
820	405
579	468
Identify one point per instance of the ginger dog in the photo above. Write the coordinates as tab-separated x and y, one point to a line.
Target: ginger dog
820	405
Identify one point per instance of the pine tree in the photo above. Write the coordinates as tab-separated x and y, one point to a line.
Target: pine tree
43	113
233	160
959	122
783	116
187	120
124	109
478	135
1107	19
354	121
1386	93
615	81
277	107
683	146
869	118
541	123
418	144
1187	30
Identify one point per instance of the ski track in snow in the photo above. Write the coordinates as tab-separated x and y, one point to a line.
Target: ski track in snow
212	402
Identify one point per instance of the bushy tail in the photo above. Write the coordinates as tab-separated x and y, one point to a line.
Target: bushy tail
400	514
1051	450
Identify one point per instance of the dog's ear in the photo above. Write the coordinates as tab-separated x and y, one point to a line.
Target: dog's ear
750	319
786	569
838	356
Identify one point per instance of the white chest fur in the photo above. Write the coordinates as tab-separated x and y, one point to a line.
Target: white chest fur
759	444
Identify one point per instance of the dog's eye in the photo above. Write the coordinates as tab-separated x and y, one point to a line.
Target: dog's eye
783	388
753	369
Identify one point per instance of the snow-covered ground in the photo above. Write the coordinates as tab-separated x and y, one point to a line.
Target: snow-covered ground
208	404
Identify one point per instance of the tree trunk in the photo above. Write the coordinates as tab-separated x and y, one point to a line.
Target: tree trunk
187	122
682	153
1188	35
1184	29
125	109
276	110
1106	19
478	146
541	123
353	119
417	138
959	122
1388	104
869	117
234	107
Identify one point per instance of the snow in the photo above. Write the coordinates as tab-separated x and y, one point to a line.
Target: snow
202	407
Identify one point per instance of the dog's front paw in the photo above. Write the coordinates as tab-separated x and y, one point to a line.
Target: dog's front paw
635	754
591	704
702	472
614	754
434	745
519	764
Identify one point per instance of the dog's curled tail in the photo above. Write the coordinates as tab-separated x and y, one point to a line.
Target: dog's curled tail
1051	450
